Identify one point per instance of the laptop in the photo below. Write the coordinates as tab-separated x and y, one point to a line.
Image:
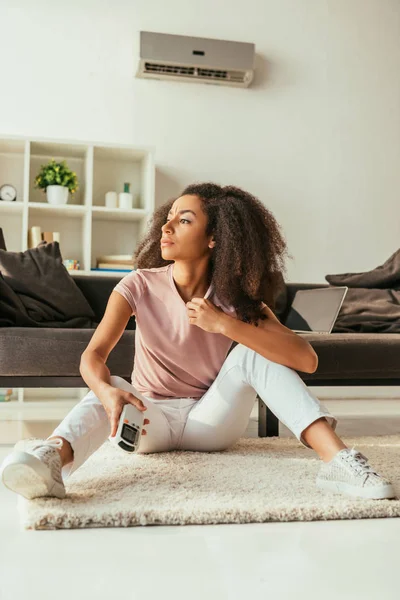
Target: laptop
315	310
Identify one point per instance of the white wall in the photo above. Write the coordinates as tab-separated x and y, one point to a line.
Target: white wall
317	138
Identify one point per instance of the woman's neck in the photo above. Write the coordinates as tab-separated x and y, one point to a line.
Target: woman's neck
191	284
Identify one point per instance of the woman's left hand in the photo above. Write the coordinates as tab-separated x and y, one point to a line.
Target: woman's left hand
205	314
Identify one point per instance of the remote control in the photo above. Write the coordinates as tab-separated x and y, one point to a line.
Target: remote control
129	430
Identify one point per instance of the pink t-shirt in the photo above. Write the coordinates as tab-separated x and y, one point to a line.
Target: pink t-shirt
173	358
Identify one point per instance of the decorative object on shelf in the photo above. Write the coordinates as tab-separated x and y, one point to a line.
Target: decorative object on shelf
57	194
34	236
116	258
47	236
119	266
111	200
5	394
8	192
2	240
57	179
125	198
71	264
115	262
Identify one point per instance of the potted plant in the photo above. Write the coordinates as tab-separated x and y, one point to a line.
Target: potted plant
56	179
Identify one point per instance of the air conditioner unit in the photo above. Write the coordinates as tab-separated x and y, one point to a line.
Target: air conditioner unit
202	60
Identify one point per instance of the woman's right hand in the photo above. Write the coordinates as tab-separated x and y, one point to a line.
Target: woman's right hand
113	400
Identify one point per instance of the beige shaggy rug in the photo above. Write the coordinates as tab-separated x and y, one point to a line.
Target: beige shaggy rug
255	481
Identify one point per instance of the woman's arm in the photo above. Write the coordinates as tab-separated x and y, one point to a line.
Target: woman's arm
92	366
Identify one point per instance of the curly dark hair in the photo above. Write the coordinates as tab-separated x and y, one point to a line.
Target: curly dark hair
247	261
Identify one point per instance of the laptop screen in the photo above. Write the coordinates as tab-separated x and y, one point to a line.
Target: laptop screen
315	309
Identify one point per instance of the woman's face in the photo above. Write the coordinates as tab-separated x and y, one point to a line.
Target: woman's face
186	230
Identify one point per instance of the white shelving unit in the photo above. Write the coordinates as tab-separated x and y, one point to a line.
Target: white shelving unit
87	227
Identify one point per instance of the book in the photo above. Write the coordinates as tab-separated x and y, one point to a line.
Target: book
125	263
107	265
2	240
115	258
34	236
47	236
115	270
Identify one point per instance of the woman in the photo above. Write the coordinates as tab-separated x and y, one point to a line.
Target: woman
206	344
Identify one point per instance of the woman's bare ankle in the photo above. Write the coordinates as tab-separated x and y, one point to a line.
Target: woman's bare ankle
66	452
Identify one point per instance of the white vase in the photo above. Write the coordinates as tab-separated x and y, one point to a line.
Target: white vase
125	200
111	200
57	194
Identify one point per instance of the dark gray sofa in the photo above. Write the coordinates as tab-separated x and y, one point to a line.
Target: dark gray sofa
44	357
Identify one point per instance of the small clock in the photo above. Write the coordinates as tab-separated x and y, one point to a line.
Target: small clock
8	192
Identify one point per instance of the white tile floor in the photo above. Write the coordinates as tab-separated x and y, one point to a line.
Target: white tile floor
346	559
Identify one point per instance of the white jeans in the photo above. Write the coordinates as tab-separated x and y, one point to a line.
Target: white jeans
212	423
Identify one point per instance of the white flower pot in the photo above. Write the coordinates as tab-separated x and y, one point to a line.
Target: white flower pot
57	194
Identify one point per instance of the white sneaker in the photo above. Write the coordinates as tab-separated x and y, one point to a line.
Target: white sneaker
349	472
33	469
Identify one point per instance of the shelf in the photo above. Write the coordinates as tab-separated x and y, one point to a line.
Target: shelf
11	146
112	167
38	195
87	227
70	225
67	210
11	222
103	213
57	150
113	237
77	157
12	160
119	153
11	207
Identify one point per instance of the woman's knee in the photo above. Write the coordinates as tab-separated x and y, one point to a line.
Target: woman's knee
120	382
207	445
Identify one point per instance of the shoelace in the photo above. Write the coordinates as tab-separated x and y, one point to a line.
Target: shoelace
41	446
359	462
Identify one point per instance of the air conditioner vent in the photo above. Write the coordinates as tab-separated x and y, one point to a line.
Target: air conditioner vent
169	69
212	73
198	72
229	75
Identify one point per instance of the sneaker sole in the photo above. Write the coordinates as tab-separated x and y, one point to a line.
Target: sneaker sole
25	474
385	491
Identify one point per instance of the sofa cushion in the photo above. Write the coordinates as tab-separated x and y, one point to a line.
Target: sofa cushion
385	276
355	356
26	351
48	352
37	290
